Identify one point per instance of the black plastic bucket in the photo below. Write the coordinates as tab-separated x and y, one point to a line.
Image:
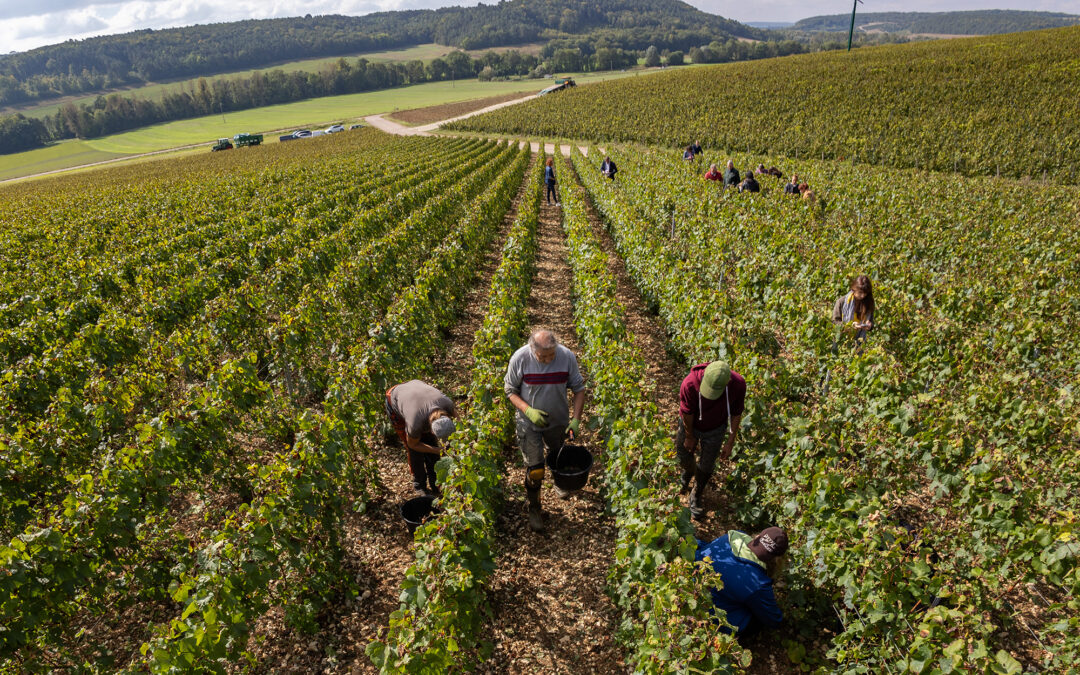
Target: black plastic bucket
570	466
417	510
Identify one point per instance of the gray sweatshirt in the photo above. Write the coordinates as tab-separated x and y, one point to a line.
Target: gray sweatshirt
543	385
415	401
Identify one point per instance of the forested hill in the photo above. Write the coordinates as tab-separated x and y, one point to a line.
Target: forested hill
977	22
153	55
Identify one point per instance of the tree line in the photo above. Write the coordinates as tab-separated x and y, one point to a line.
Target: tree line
76	67
117	112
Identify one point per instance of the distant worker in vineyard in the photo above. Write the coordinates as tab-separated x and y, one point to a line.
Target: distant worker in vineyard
695	148
855	309
608	168
421	415
688	153
731	175
549	181
536	382
747	565
749	184
713	173
711	402
792	188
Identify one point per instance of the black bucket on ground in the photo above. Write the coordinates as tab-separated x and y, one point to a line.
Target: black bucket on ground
570	466
418	510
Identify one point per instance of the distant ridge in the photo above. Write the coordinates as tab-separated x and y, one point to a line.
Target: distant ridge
145	56
976	22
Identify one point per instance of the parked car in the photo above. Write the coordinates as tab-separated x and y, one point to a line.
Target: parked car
334	128
356	126
299	133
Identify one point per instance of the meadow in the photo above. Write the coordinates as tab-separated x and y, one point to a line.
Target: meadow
311	113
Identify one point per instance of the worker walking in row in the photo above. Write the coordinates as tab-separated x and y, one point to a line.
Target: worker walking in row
536	383
422	418
713	173
746	564
711	402
549	181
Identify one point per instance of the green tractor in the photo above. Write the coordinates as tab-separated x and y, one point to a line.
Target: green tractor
222	144
242	140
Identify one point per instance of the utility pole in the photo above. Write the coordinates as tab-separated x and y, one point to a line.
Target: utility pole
851	30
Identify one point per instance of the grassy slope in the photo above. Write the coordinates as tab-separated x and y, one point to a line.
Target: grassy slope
976	105
311	113
424	52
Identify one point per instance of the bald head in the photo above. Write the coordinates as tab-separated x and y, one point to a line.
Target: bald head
543	343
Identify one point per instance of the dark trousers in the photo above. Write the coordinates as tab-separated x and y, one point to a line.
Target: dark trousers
422	467
710	444
552	193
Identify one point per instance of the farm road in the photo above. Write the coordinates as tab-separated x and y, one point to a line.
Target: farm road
392	127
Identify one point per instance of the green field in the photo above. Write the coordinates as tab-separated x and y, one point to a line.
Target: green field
424	52
313	112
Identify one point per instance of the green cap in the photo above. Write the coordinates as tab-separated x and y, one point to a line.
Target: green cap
717	375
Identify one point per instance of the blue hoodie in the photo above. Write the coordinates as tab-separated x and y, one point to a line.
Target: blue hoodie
747	596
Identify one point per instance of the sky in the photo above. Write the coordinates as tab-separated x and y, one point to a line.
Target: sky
25	24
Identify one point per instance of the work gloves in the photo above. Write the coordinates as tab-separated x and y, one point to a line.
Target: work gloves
537	416
573	426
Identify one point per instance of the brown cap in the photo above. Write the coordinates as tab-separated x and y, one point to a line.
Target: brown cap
770	543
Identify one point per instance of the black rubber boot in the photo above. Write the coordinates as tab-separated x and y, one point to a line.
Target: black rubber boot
536	518
697	495
687	475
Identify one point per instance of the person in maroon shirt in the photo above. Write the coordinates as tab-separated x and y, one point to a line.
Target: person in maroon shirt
711	403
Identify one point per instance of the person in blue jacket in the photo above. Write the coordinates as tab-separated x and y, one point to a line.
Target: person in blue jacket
743	561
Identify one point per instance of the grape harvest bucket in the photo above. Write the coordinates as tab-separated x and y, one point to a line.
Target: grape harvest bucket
570	466
418	510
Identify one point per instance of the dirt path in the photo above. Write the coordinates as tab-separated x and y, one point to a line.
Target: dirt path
650	338
550	611
392	127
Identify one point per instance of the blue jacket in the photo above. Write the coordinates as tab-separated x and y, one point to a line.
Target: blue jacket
747	596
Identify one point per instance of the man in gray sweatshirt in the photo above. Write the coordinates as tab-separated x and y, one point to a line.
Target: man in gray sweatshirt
536	382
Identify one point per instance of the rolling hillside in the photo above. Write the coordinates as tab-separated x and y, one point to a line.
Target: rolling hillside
981	106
